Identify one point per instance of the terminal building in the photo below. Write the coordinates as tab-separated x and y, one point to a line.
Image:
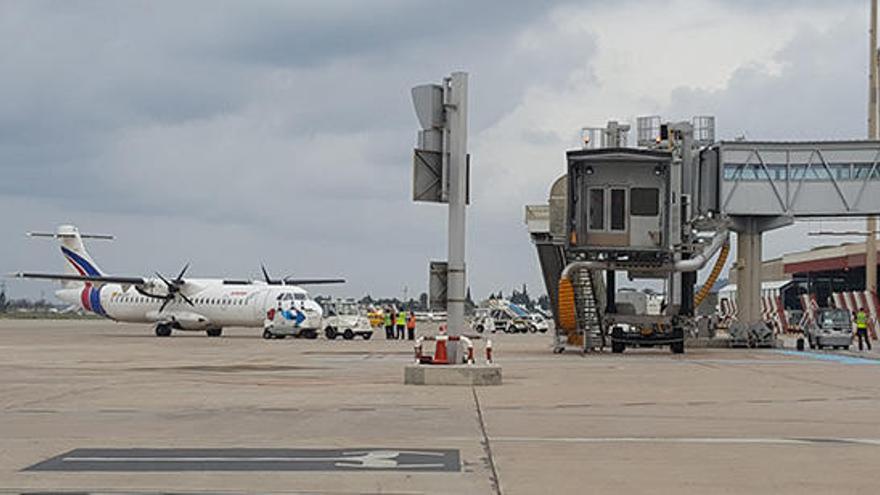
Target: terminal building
821	271
795	284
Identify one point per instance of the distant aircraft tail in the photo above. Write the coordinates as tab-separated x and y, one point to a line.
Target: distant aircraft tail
78	260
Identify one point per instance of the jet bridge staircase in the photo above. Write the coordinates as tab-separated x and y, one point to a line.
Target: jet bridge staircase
589	288
589	294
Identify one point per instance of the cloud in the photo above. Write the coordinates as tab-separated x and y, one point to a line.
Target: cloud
228	133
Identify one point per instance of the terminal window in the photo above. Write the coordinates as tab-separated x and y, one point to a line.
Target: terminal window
644	202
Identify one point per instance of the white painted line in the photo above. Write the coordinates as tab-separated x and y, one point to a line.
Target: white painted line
693	440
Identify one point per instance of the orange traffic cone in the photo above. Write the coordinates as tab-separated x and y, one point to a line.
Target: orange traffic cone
440	356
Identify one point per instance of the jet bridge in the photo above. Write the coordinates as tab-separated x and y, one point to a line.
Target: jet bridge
765	185
662	209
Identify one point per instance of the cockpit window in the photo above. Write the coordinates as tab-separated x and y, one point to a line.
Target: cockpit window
299	296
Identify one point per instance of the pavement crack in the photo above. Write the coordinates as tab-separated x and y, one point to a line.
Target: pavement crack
487	447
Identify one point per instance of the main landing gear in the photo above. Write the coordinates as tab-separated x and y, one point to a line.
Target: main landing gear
163	330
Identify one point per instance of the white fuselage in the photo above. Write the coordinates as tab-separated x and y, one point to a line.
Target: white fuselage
216	304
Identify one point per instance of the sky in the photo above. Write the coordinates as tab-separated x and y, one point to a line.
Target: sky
229	134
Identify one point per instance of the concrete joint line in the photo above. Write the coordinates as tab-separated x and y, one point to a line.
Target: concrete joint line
496	480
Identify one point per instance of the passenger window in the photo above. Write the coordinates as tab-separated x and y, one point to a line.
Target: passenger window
618	209
644	202
597	209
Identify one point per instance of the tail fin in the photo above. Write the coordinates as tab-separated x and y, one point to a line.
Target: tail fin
78	260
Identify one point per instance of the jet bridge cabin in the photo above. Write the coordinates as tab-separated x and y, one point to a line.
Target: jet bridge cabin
618	203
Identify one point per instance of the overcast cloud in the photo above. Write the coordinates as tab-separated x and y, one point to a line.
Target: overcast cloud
230	133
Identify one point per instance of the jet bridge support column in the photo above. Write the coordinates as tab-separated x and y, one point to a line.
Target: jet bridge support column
749	246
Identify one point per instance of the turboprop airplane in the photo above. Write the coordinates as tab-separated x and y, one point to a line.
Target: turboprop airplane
204	304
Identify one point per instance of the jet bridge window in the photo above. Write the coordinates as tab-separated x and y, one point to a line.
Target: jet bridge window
597	209
618	209
644	202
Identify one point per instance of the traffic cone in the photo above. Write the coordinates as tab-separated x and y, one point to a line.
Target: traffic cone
440	356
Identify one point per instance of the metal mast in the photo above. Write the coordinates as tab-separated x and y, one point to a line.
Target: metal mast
873	111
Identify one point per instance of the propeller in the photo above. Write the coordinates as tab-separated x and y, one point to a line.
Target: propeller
269	280
174	287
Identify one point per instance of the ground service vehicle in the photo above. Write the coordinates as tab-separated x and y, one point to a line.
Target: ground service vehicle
289	319
345	318
831	328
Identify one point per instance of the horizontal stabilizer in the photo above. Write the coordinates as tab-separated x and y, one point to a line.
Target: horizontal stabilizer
63	235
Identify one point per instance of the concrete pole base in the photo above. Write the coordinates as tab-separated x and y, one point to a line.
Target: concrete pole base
463	374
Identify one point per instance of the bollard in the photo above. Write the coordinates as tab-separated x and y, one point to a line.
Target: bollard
488	352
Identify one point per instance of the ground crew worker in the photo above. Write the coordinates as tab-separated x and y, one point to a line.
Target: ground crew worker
411	326
389	324
401	324
862	328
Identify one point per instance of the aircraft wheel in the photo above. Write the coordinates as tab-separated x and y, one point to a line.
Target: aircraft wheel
347	334
267	334
163	330
214	332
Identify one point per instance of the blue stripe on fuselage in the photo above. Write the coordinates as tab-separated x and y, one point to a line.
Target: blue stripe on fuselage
82	262
95	300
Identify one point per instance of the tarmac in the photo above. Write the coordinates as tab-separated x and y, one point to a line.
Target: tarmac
97	407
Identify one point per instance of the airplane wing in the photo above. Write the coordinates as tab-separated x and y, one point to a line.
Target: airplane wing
313	281
105	279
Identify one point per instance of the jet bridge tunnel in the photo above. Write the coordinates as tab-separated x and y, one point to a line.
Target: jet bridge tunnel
748	187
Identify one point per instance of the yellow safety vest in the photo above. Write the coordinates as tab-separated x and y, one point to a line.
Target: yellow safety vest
401	318
861	320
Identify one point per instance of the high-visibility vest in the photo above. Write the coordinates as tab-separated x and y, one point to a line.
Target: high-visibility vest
401	318
387	319
411	322
861	320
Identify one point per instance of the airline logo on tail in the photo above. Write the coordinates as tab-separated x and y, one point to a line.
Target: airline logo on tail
90	298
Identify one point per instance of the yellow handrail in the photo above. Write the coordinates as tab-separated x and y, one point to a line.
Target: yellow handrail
713	277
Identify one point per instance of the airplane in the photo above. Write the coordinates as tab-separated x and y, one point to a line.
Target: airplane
179	303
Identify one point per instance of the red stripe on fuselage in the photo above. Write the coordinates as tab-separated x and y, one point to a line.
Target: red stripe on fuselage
84	297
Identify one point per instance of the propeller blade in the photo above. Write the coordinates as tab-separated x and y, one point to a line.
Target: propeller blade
167	282
265	274
182	272
145	293
167	300
188	301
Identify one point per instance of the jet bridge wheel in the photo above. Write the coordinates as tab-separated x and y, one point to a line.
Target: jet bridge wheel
617	345
163	330
677	347
214	332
